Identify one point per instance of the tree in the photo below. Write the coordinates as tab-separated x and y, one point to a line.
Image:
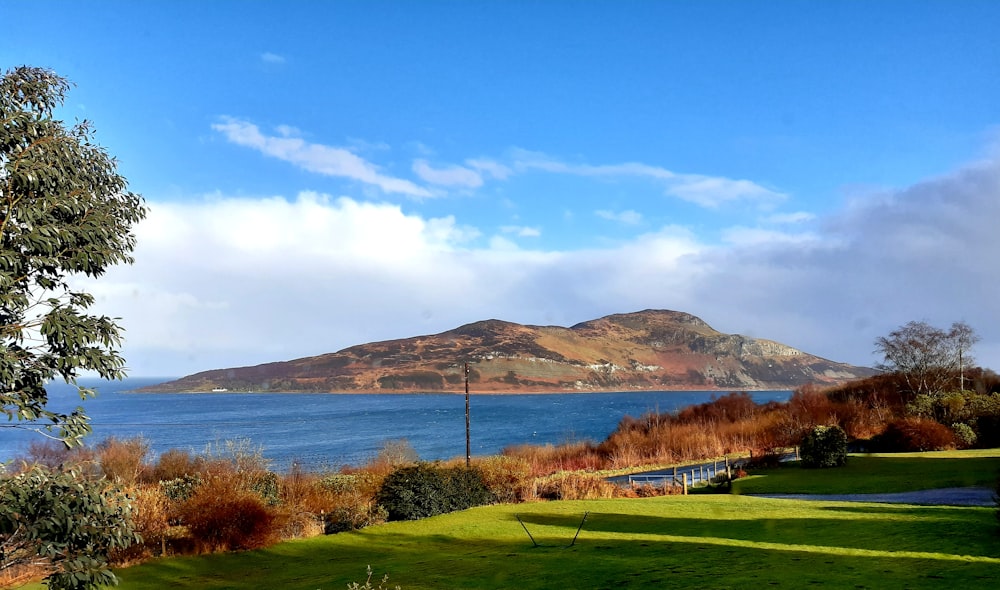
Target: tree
964	337
926	357
64	211
62	521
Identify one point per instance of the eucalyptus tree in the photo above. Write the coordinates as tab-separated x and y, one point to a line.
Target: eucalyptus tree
65	212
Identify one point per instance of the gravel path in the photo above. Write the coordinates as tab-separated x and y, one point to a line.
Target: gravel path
943	497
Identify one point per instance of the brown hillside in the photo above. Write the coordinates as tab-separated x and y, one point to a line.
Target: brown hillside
647	350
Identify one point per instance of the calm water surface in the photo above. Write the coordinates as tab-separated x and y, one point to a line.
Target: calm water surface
327	431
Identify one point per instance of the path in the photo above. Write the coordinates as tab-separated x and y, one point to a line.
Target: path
943	497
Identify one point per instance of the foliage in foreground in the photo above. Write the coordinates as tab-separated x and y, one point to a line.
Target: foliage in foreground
65	212
63	523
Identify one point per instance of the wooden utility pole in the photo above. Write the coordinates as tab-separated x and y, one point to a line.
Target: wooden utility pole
468	438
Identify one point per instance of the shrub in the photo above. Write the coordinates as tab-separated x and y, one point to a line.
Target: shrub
220	518
150	514
422	490
824	446
181	488
174	464
914	434
466	488
352	516
507	478
964	434
648	490
123	460
48	453
577	486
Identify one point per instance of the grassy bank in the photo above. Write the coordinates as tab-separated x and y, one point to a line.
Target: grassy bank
880	473
700	541
716	541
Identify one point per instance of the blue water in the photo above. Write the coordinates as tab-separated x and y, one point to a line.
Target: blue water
327	431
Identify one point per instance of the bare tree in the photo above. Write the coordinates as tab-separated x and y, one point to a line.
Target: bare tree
925	356
964	338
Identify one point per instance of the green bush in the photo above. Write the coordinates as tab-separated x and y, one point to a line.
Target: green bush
964	434
180	488
824	446
422	490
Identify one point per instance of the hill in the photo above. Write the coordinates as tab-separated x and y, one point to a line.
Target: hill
646	350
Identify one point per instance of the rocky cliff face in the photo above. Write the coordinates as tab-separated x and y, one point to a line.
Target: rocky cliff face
647	350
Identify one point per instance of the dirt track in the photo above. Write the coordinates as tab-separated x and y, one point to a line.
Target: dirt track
940	497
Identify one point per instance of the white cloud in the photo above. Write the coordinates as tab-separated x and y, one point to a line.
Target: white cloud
753	236
790	218
447	176
706	191
490	167
522	231
225	282
713	191
314	157
271	58
628	217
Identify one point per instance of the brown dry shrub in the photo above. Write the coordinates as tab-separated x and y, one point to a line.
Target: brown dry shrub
507	478
304	501
915	434
576	486
548	459
648	490
810	407
220	517
54	455
150	513
18	575
174	464
123	461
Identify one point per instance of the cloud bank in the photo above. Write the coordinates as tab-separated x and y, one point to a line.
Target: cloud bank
229	282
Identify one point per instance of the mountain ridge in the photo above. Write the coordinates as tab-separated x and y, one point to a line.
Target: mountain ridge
644	350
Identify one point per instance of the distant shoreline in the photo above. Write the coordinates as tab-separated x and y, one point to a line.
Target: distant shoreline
472	391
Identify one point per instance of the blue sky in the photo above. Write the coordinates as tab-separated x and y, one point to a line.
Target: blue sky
325	174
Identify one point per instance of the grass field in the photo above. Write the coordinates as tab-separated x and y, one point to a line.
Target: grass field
880	474
699	541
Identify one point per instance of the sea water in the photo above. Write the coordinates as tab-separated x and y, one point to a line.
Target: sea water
327	431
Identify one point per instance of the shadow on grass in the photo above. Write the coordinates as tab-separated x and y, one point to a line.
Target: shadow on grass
957	531
601	559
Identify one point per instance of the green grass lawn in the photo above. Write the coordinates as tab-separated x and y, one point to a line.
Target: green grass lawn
698	541
879	474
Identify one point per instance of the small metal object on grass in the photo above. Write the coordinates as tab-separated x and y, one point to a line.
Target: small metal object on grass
535	543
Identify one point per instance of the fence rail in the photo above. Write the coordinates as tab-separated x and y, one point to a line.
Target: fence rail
688	475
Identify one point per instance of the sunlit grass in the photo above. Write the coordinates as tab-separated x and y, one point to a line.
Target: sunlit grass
880	473
703	541
700	541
